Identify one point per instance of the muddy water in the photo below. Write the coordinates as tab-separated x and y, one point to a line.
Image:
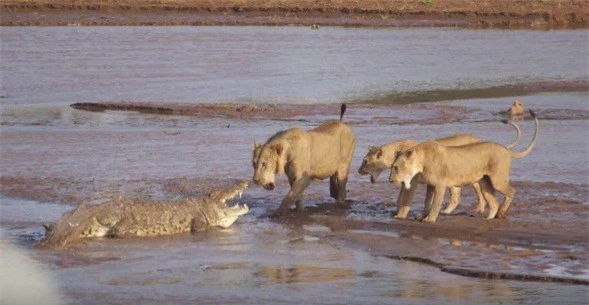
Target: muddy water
54	157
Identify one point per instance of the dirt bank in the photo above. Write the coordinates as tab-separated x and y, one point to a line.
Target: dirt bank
534	14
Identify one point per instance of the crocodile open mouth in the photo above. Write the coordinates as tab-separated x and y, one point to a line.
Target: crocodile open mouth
237	209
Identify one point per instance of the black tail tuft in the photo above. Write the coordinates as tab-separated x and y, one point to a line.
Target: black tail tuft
532	113
342	111
505	121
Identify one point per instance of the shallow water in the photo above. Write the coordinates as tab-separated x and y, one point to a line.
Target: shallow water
58	155
63	65
259	262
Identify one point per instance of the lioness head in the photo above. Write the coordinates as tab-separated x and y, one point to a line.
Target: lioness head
405	167
267	162
373	163
517	108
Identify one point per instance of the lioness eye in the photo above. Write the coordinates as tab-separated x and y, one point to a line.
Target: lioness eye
396	168
264	164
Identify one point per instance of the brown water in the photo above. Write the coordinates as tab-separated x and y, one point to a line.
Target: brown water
53	157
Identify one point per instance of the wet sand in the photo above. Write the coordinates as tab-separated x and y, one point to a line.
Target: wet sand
546	227
529	14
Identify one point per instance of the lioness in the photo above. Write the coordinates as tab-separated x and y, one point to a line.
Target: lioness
441	166
381	158
317	154
516	111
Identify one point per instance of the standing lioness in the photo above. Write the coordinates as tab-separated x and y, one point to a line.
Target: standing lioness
381	158
317	154
441	166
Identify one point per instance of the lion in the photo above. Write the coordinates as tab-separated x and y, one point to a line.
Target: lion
323	152
516	111
381	158
439	167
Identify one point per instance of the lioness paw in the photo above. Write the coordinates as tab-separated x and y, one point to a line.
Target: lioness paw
502	214
429	219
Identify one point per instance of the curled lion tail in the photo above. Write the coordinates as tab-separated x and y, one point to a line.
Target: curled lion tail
517	155
510	122
342	111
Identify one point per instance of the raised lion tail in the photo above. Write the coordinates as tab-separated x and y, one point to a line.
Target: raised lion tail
510	122
517	155
342	111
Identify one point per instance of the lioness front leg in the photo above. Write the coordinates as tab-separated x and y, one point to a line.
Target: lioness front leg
429	198
294	195
437	204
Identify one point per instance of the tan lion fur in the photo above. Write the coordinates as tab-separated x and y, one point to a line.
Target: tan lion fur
381	158
323	152
442	166
516	111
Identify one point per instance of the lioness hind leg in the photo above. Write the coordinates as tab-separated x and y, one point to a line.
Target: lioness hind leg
480	209
333	187
342	192
454	200
341	178
489	194
508	192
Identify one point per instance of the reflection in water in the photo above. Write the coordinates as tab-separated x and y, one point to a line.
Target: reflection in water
303	274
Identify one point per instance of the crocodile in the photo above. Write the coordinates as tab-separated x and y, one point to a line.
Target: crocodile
119	218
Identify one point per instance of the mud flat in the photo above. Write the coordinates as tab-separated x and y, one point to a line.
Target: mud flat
530	14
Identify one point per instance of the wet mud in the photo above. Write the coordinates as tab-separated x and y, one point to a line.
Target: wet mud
455	13
543	239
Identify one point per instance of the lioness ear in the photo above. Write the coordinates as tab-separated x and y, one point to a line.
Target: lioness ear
379	154
257	145
398	153
370	147
409	153
278	149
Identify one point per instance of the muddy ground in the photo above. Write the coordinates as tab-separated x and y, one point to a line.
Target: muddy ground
544	239
530	14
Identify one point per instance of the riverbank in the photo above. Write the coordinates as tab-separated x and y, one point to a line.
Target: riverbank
521	14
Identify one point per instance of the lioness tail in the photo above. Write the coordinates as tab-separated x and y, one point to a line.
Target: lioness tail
342	111
519	132
517	155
